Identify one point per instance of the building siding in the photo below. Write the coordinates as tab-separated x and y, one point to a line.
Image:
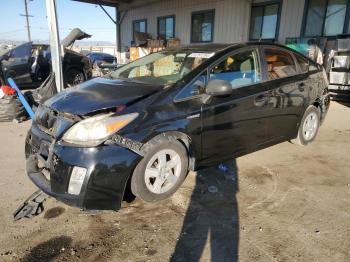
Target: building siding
231	18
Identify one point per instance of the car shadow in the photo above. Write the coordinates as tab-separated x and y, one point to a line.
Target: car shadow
211	219
344	103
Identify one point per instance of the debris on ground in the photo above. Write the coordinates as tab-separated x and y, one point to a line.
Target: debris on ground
10	106
33	206
212	189
223	168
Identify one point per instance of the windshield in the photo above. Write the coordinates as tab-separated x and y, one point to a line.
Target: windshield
163	68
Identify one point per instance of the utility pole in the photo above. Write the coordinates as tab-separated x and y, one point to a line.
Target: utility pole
27	19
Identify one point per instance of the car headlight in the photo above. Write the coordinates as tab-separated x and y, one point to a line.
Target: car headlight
94	130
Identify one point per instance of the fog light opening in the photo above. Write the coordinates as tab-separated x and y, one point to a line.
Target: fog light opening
76	180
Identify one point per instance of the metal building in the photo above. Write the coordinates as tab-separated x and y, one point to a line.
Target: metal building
203	21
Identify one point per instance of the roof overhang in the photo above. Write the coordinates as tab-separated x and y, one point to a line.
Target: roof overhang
122	4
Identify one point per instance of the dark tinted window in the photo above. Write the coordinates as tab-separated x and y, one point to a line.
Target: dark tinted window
203	26
264	20
280	63
239	69
325	17
166	27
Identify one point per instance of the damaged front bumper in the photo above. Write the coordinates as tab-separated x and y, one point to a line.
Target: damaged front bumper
108	168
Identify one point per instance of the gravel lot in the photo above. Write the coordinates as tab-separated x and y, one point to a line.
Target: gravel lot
284	203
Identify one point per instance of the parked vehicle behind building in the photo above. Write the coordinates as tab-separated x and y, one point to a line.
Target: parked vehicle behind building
102	63
143	126
97	58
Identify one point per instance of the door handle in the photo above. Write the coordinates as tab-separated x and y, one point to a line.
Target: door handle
260	100
301	87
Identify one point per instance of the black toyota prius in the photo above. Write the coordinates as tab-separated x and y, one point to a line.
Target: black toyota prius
145	125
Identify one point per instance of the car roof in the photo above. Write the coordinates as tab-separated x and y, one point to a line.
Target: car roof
221	47
216	48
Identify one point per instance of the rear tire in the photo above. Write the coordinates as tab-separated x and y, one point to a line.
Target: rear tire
162	170
309	126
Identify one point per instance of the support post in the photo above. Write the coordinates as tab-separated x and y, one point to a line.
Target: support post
56	48
118	34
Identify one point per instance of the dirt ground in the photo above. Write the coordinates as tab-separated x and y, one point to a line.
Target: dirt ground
284	203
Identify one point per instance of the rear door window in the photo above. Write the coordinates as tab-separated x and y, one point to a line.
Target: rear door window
280	63
238	69
303	63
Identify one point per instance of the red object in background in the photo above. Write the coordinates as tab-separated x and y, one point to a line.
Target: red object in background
8	90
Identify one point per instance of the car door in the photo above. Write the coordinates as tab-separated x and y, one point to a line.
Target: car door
18	64
235	124
287	92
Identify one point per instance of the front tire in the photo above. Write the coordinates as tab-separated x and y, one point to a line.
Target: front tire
309	126
162	170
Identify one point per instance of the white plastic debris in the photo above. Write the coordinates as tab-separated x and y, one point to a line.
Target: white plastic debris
212	189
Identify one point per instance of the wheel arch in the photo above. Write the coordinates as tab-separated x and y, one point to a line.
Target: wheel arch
184	139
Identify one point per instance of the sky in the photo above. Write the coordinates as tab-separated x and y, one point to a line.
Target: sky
88	17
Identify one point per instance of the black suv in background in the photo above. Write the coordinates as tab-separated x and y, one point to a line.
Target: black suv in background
29	64
96	58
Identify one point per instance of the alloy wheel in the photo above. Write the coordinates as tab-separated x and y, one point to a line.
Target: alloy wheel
78	78
162	171
310	126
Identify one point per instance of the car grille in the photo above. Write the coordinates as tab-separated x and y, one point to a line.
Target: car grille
50	121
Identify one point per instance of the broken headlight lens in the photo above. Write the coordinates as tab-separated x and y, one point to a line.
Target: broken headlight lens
94	130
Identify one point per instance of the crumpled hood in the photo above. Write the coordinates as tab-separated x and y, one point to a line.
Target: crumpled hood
98	94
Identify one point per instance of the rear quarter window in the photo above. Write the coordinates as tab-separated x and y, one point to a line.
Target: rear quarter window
280	63
303	63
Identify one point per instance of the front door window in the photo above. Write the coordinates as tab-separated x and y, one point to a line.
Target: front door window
238	69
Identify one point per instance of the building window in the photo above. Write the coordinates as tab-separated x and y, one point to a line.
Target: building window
325	17
202	26
166	27
264	21
139	26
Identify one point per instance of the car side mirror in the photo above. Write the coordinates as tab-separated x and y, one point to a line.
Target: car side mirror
218	88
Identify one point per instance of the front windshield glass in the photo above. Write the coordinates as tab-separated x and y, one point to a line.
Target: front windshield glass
163	68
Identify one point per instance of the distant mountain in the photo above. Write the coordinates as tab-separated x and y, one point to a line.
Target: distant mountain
93	43
77	43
